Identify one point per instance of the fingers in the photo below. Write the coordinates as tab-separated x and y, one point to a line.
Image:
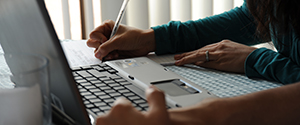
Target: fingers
118	112
100	34
156	101
198	56
93	43
104	29
105	48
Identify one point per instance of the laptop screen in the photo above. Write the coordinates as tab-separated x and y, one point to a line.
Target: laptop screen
26	28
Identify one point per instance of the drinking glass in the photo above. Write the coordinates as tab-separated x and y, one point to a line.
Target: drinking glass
24	90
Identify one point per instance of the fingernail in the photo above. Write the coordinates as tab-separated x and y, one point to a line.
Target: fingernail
151	87
177	62
97	55
93	37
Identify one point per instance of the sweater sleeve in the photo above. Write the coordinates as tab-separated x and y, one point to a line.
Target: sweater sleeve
268	64
236	25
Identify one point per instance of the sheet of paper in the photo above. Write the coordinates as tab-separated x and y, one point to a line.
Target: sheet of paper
78	53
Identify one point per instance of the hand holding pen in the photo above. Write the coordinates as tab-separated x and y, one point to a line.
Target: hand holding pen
113	40
118	21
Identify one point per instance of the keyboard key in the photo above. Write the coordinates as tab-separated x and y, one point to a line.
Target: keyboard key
95	109
89	105
90	97
116	77
97	73
95	100
75	68
90	87
108	100
109	81
86	84
84	74
86	93
139	101
96	82
112	71
81	81
110	91
128	94
134	98
118	87
107	67
114	94
92	79
105	88
124	91
78	78
99	93
98	104
94	90
125	83
114	85
104	97
104	79
100	69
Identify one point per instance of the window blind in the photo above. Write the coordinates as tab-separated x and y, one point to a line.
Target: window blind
79	19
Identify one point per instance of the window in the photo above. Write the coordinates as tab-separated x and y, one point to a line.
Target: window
74	19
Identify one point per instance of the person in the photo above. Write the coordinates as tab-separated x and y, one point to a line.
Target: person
225	44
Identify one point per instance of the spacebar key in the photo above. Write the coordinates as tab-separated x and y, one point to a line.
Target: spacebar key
136	90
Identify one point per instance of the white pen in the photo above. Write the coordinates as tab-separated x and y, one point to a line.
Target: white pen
118	21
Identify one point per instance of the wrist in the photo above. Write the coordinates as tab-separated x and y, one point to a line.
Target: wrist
148	37
209	111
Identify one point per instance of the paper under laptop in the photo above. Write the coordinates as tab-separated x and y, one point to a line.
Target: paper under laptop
28	29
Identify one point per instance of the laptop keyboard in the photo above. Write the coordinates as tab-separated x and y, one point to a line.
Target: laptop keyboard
100	86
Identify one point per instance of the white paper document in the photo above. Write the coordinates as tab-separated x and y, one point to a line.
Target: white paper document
79	54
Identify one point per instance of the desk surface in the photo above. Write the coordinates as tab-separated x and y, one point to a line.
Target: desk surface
220	83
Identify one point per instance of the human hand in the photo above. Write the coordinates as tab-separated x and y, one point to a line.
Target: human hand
225	56
127	42
123	113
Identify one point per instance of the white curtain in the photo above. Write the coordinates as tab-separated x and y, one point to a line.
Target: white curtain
146	13
140	13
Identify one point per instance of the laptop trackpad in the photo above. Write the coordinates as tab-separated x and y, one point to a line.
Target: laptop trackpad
175	87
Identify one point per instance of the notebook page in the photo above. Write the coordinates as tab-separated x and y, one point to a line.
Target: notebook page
78	53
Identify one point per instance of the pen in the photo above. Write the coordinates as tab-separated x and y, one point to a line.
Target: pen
118	21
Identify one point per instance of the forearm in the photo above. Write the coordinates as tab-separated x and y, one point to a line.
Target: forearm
275	106
236	25
274	66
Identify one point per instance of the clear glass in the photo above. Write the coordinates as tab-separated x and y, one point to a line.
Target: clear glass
24	90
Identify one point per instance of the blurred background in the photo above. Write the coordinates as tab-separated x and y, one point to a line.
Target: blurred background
75	19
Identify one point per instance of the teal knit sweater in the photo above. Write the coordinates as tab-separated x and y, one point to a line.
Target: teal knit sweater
236	25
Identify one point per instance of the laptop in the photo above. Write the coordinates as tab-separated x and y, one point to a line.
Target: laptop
26	28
